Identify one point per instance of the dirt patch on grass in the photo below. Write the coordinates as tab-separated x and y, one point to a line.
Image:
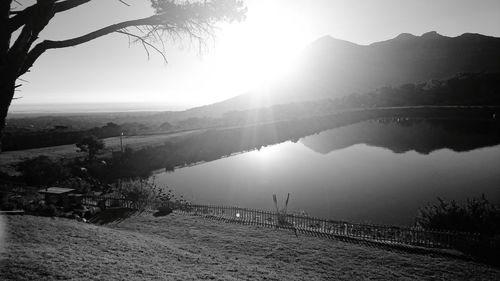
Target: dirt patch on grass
179	247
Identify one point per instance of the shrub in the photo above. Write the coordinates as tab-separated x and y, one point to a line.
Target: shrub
476	216
18	199
148	193
42	170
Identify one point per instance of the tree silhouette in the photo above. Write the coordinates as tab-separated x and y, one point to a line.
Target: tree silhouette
20	29
91	145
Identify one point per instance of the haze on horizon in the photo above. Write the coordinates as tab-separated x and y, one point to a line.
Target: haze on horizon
108	74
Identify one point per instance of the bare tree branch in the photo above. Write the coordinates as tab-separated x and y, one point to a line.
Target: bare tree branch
69	4
43	13
124	3
24	16
23	80
192	19
40	48
144	43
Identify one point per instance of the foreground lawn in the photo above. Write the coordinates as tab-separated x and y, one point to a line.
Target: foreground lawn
179	247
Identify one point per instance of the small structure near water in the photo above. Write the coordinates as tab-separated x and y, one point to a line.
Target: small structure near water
59	196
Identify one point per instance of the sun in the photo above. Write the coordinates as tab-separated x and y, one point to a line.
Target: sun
255	53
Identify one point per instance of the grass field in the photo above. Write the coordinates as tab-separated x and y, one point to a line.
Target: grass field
180	247
9	159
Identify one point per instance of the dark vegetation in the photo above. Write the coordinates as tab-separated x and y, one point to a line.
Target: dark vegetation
43	171
91	145
125	197
19	138
462	89
475	216
472	89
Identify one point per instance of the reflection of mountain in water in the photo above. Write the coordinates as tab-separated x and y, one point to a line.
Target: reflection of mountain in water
401	135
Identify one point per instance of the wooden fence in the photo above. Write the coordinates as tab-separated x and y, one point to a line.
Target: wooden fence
109	202
390	235
337	229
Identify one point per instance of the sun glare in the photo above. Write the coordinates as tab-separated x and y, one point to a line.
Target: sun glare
263	156
257	52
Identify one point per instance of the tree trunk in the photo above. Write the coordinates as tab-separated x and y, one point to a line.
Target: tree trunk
7	89
7	85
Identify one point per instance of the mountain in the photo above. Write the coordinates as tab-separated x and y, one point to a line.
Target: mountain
332	68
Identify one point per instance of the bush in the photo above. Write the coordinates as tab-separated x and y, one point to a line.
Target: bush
137	190
146	192
11	200
42	170
475	216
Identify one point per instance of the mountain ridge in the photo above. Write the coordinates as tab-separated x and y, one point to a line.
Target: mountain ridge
331	68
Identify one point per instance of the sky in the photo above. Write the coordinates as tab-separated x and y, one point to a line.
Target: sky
111	74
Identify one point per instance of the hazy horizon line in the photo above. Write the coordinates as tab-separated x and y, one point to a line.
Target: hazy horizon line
97	107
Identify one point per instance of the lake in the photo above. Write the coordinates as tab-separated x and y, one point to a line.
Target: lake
378	171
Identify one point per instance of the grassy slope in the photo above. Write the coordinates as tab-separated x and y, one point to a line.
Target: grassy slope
180	247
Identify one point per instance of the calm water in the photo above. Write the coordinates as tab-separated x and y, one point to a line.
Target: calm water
379	171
